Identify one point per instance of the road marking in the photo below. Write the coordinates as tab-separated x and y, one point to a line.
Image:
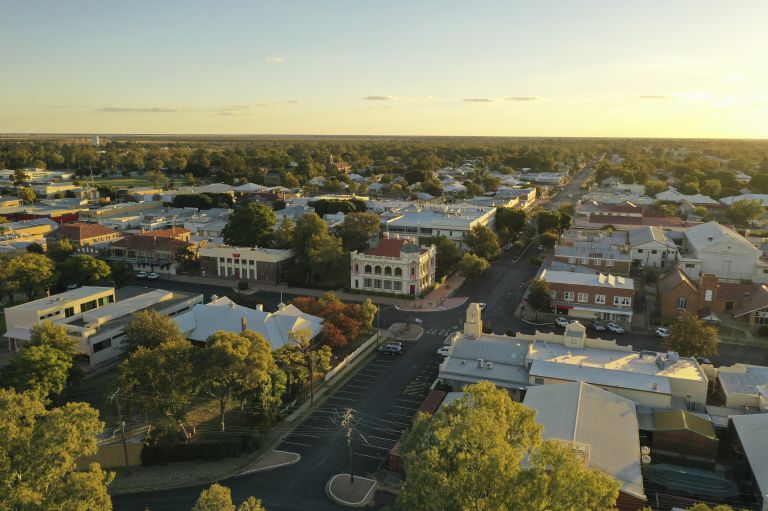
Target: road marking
356	386
302	434
378	458
399	415
343	399
294	443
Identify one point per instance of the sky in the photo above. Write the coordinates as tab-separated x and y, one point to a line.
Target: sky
672	68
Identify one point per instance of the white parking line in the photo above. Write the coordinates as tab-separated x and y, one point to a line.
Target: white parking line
357	379
303	434
353	392
368	456
356	386
341	399
295	443
399	415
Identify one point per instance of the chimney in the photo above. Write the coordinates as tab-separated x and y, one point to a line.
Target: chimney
243	324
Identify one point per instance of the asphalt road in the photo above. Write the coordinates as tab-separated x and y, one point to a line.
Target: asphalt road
383	395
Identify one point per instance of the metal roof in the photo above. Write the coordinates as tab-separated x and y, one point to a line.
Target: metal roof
680	420
751	430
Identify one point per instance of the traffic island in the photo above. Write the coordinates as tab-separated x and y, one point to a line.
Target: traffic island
406	331
343	491
272	460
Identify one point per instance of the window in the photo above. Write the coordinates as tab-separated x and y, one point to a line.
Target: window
729	306
553	294
682	303
368	268
69	311
377	284
538	380
413	272
377	270
653	251
585	260
357	269
388	271
102	345
397	286
357	284
568	296
609	262
111	298
398	272
85	307
600	299
387	284
367	282
571	260
708	295
221	260
639	250
622	301
101	301
690	265
583	297
229	260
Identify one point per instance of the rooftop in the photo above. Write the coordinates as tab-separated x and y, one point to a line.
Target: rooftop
751	430
81	231
711	233
503	361
586	279
67	296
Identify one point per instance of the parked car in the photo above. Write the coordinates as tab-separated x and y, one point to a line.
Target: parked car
615	328
561	321
153	276
444	351
541	247
703	360
508	247
141	275
598	326
662	332
390	348
72	286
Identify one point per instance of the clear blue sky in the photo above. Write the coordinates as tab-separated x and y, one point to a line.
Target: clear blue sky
578	68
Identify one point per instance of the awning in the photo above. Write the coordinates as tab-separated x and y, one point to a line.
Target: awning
18	332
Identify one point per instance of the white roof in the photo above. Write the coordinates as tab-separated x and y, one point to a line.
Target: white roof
711	233
762	197
223	314
743	383
61	298
507	358
604	422
751	430
647	234
250	187
673	195
586	279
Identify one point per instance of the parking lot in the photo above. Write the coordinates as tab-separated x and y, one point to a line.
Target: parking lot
379	412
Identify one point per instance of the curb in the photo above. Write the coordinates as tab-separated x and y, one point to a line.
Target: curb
343	502
272	467
536	324
433	309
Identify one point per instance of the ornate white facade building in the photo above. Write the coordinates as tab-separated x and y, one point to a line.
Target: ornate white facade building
396	266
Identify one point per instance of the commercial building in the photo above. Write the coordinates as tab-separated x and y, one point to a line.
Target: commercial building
222	314
152	250
453	221
715	249
752	449
600	250
590	296
257	264
601	426
652	248
396	266
744	387
82	234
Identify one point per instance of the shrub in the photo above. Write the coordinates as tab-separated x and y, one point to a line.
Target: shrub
206	451
242	285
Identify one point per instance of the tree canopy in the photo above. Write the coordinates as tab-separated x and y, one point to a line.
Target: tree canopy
744	211
219	498
83	270
482	241
38	453
249	226
472	265
357	229
690	336
31	273
470	456
149	328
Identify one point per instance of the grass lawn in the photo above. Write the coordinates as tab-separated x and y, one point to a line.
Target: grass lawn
122	182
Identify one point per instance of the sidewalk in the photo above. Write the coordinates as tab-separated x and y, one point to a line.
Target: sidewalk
438	299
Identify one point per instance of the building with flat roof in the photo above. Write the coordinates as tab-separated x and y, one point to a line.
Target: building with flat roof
744	387
753	448
251	263
453	221
219	314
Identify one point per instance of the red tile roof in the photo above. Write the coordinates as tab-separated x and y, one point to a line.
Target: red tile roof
78	231
172	232
388	247
151	244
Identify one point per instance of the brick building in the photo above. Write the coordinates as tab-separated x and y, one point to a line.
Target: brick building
82	234
590	295
257	264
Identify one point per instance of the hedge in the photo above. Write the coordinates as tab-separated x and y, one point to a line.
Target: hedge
206	451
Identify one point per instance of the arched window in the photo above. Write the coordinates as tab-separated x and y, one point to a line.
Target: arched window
398	272
387	271
367	268
377	270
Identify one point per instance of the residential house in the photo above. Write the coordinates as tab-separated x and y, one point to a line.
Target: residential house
82	234
762	197
222	314
396	266
708	296
672	195
590	296
651	247
544	178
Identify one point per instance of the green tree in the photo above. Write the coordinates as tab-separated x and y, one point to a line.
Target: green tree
549	238
514	219
149	329
295	359
328	262
712	187
472	265
122	272
368	312
283	236
83	270
547	220
219	498
448	255
185	256
470	456
165	380
482	241
35	248
27	195
38	453
689	336
233	364
538	297
308	226
155	176
655	187
357	229
31	273
700	211
61	250
249	226
743	211
48	333
40	369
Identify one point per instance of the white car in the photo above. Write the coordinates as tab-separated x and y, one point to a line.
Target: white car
662	332
616	329
482	305
417	320
141	275
561	321
153	276
444	351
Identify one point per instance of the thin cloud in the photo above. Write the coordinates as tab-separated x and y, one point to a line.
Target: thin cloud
380	97
274	60
294	101
113	109
522	98
652	96
479	100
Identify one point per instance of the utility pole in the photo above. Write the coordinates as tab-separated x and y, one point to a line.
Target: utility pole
116	397
346	422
